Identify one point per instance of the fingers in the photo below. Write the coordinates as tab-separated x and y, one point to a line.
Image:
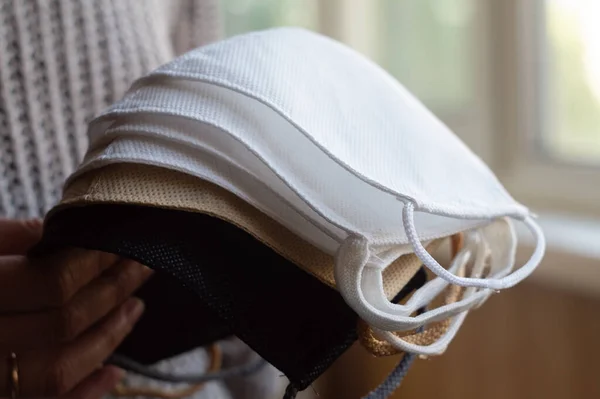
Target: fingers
53	305
57	372
21	332
48	282
101	296
18	236
97	385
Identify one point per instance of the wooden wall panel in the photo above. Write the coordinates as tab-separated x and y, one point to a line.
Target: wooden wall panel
528	342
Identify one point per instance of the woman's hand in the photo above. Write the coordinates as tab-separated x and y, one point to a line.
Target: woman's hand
63	315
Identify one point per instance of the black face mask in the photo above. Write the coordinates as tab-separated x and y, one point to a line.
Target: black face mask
214	280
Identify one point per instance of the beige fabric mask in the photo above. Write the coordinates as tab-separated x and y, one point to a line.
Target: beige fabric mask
145	185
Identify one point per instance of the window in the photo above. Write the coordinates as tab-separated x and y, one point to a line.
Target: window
518	81
573	80
427	45
545	135
249	15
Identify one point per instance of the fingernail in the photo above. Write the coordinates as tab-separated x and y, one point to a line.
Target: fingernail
147	271
134	309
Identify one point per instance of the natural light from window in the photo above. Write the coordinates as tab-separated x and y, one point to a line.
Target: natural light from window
248	15
572	128
427	45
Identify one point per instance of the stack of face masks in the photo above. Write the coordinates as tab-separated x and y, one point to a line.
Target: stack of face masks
268	174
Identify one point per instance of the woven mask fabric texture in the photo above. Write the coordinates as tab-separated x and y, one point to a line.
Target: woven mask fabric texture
478	252
151	186
427	336
137	184
284	107
294	321
434	332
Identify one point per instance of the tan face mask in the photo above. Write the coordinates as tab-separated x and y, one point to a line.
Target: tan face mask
138	184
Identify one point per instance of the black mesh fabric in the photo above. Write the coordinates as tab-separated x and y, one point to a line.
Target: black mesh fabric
214	280
173	326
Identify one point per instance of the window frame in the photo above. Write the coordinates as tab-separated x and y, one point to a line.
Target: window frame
522	165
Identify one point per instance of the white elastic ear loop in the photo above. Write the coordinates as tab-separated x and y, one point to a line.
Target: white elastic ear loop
421	297
474	243
440	346
433	288
491	283
503	254
436	348
350	261
502	262
388	317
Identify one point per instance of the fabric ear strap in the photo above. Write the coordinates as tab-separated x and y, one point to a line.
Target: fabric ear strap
443	338
490	283
428	336
134	367
395	378
350	267
216	360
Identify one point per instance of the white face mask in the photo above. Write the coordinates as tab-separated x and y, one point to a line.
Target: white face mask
308	130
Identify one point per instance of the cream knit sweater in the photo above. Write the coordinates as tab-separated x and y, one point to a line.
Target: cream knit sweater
63	61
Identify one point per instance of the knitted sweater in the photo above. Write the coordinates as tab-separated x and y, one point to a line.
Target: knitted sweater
61	63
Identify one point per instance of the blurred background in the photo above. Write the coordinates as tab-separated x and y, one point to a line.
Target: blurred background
519	82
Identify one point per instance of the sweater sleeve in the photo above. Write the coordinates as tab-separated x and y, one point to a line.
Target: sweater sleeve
195	23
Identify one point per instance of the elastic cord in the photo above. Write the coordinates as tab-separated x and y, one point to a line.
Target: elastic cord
350	263
434	287
490	283
132	366
349	268
393	381
126	390
440	346
354	255
427	292
436	348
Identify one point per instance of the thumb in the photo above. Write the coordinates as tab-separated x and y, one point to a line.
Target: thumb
18	236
